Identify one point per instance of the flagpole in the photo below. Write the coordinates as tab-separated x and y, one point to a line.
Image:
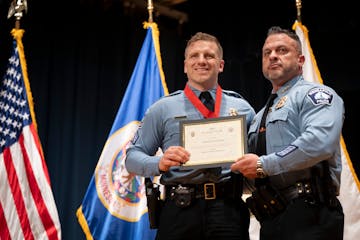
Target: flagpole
150	8
298	8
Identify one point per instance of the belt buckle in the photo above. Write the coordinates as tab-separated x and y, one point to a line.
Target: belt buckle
209	191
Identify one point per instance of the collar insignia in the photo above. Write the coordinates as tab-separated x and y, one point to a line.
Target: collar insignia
281	102
233	112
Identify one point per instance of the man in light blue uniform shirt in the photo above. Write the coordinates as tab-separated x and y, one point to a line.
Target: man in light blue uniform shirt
297	166
160	128
188	212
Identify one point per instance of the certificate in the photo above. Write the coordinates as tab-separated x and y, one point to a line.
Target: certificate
213	142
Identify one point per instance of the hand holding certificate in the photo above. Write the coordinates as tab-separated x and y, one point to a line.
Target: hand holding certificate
213	142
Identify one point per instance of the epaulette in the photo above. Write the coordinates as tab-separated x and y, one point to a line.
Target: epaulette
174	93
232	93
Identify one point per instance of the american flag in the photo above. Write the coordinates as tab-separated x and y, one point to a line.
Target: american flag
27	206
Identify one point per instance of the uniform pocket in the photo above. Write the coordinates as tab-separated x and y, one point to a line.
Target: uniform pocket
278	129
278	115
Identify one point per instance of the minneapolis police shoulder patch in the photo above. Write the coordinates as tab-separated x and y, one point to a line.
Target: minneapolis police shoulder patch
320	96
136	134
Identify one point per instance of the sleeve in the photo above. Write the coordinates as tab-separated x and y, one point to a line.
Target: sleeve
141	157
249	111
320	120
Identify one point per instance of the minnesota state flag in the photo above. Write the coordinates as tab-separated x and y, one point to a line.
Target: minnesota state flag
115	206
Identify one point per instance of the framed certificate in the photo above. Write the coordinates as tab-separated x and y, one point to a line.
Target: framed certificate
213	142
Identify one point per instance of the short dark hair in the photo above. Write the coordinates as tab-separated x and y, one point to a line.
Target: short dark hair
205	37
278	30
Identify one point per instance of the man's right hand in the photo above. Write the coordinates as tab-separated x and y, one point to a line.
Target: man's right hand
173	156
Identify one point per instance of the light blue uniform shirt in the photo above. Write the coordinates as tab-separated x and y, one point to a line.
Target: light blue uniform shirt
160	129
303	127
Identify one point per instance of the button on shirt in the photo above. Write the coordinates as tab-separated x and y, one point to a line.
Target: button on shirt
160	128
303	128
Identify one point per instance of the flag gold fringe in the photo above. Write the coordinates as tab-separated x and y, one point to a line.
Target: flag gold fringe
18	34
343	145
155	36
313	60
83	223
351	167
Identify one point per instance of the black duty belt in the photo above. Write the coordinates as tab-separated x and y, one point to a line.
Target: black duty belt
207	191
183	195
299	189
267	201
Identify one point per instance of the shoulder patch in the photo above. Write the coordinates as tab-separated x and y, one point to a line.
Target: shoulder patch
232	93
320	96
286	151
136	134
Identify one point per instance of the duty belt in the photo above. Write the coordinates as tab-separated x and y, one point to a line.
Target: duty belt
207	191
299	189
183	194
266	201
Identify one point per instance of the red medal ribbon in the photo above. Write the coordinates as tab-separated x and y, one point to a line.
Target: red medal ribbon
200	106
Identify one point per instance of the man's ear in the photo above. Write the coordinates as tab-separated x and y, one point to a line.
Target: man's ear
221	67
301	59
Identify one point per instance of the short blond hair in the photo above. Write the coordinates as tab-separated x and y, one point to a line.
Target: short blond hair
200	36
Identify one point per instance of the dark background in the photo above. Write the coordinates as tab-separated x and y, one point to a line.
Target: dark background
80	56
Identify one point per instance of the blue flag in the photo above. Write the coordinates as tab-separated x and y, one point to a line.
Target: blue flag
114	206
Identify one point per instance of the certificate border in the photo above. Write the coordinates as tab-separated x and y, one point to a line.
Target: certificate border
225	163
